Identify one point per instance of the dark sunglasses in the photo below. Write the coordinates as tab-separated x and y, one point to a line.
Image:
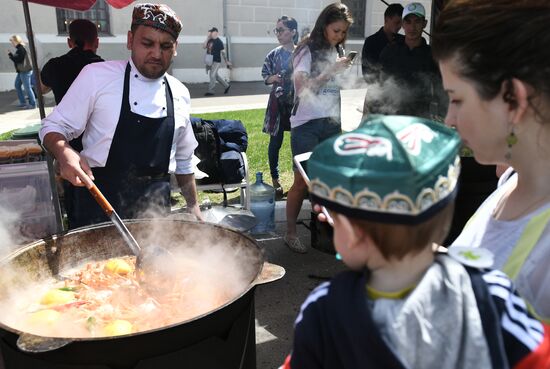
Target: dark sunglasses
280	30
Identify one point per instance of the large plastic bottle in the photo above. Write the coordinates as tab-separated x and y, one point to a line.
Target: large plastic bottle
262	205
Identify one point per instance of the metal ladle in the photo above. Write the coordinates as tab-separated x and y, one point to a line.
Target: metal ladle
125	233
112	214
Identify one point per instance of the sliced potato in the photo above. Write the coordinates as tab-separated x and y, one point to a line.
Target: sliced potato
57	297
118	266
118	328
46	316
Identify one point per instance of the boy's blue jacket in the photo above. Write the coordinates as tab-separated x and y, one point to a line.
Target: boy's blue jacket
335	328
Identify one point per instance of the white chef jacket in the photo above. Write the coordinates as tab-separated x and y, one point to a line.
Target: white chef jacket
93	102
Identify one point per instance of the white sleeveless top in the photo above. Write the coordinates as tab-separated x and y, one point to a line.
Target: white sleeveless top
501	236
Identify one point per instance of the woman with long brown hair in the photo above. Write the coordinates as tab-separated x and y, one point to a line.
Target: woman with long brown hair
494	59
317	61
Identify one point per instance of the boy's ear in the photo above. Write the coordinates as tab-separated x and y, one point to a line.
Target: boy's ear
356	234
346	224
361	237
348	229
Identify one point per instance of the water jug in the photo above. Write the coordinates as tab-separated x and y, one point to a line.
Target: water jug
262	205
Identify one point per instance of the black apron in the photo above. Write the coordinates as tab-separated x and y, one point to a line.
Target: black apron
135	178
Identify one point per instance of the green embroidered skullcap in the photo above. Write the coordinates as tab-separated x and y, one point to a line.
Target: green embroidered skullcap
392	169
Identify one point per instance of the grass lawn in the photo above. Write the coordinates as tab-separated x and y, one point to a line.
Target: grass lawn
257	149
6	135
258	142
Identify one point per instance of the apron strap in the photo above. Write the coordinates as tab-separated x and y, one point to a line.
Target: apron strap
527	241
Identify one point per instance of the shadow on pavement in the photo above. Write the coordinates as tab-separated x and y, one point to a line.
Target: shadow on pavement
278	303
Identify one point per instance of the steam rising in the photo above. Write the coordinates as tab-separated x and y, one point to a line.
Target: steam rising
8	233
205	267
386	95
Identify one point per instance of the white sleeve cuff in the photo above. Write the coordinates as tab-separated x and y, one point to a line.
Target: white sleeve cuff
49	129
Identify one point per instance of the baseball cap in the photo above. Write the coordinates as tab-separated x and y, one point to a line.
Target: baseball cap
416	9
158	16
213	29
392	169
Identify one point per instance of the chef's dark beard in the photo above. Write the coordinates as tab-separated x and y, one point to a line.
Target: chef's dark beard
152	75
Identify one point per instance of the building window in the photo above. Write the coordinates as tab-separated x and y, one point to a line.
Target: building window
358	10
99	14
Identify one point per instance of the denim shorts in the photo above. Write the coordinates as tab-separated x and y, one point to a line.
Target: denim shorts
306	136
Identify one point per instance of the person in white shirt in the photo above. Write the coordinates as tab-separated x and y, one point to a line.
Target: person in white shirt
316	112
135	123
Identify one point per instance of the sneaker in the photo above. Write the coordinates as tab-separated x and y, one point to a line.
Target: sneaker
22	106
30	107
209	94
295	244
226	90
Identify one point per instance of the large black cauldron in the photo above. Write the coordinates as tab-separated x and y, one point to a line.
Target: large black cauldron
223	338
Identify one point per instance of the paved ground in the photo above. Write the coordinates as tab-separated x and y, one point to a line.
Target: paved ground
277	303
242	96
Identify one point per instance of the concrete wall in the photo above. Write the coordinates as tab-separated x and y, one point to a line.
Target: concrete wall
249	32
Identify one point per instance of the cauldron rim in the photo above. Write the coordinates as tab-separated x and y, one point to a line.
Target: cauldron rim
24	248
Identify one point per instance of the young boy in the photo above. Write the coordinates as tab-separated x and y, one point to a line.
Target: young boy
390	187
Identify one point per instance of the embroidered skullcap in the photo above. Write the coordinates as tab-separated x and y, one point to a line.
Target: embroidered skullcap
157	16
392	169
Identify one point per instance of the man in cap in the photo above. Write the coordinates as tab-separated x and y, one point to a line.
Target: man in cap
135	123
214	46
411	83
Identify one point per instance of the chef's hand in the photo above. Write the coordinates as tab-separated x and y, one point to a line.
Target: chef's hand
188	189
73	167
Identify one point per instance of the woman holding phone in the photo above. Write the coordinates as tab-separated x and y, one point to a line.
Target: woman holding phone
317	61
498	81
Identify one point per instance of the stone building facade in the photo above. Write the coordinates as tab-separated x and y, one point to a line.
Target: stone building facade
245	27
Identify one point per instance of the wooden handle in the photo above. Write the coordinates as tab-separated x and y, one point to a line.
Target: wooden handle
101	200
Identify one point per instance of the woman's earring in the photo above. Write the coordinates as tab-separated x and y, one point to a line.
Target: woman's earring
511	140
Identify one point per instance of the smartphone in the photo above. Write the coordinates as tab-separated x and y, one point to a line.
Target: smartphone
351	55
301	164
